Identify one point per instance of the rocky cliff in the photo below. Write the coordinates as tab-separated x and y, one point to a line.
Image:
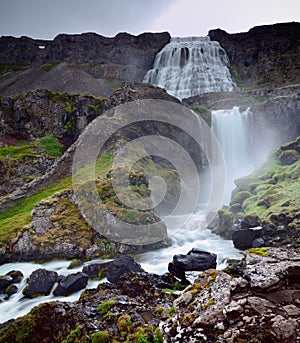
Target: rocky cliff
89	56
265	55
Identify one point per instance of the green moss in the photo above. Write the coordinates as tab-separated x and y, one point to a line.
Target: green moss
100	337
124	323
106	306
209	303
13	220
74	336
48	67
258	251
171	311
204	113
240	197
273	188
75	263
52	146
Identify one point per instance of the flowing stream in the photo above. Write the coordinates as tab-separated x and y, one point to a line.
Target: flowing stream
183	240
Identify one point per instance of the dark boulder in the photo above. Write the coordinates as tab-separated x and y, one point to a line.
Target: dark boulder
195	260
40	282
95	270
243	239
259	243
70	284
10	290
16	275
120	266
288	157
5	281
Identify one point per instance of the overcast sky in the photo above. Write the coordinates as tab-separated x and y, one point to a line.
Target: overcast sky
47	18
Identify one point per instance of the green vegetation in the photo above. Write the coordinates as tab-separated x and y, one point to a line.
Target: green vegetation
236	76
52	146
13	220
106	306
204	113
48	67
258	251
74	336
100	337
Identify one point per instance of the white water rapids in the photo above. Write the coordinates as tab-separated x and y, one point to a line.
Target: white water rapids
153	261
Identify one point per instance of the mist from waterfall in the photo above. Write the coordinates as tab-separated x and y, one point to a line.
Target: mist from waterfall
230	128
191	66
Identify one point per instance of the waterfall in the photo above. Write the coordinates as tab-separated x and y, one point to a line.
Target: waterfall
230	128
191	66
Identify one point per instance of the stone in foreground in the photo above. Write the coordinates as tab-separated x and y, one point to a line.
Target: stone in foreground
195	260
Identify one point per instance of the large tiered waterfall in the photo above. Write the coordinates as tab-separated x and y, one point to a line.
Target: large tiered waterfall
191	66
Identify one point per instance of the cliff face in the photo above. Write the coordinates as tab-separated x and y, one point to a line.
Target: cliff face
124	57
84	48
265	55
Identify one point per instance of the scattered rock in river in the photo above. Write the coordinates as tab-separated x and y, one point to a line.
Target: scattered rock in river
120	266
70	284
195	260
40	283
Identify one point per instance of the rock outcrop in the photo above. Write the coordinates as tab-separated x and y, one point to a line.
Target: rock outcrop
43	112
260	304
40	282
256	299
265	55
90	58
264	208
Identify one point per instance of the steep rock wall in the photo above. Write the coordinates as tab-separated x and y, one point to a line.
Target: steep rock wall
265	55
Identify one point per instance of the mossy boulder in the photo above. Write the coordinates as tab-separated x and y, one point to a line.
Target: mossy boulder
225	227
240	197
288	157
269	197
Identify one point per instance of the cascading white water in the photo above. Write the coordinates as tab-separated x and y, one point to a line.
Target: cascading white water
155	261
191	66
230	128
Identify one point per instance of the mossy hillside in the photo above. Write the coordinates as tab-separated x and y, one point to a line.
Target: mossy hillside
272	192
24	161
67	225
14	220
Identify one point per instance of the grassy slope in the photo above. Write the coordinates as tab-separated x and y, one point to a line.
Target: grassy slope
14	219
273	188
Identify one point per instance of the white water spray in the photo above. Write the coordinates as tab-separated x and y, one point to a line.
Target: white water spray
191	66
230	128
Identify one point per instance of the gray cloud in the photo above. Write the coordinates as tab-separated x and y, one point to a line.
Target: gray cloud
45	19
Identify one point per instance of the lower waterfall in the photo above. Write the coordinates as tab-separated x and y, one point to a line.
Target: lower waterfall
230	128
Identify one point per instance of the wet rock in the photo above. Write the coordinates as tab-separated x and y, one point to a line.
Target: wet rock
16	275
70	284
95	270
258	243
195	260
10	290
40	283
120	266
289	157
259	301
243	239
5	281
